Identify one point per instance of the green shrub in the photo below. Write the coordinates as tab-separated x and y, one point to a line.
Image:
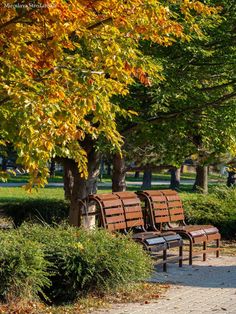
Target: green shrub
23	268
49	210
217	208
80	261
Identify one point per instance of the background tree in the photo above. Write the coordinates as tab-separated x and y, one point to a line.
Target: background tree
192	111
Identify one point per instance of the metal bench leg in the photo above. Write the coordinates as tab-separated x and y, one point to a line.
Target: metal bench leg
204	248
217	245
181	256
190	252
164	260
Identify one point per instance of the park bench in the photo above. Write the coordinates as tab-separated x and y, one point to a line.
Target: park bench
123	212
165	211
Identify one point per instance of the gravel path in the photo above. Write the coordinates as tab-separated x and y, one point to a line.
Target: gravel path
207	287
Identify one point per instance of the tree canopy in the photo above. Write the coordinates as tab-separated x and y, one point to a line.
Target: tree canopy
62	61
192	111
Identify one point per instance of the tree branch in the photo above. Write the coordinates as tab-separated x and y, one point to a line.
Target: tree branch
4	100
206	89
175	114
105	21
97	24
211	64
17	18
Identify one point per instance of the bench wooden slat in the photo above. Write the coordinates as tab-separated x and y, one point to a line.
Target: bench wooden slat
176	217
168	192
135	223
106	196
175	204
158	198
131	201
176	211
211	230
159	205
111	203
152	192
125	194
171	198
116	226
212	237
162	219
133	215
131	209
161	212
199	239
113	211
197	233
117	218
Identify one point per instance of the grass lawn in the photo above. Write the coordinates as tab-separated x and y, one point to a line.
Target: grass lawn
25	177
17	194
165	176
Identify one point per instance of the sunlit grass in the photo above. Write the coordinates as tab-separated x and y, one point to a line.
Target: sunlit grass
165	176
12	194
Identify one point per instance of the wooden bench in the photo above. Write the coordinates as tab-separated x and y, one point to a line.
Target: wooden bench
165	212
123	212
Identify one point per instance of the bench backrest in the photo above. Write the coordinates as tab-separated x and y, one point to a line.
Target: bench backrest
111	209
132	209
175	206
157	204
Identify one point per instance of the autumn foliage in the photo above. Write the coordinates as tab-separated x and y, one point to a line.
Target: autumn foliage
62	61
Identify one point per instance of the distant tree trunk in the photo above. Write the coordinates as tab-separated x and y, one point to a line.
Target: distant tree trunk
231	180
68	178
222	170
4	163
78	188
101	170
118	173
52	168
108	168
147	178
175	178
182	169
136	175
201	180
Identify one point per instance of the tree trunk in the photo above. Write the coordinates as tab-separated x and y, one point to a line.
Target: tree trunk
52	168
68	178
175	178
231	180
109	169
4	163
78	188
201	181
118	174
101	170
147	178
136	175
